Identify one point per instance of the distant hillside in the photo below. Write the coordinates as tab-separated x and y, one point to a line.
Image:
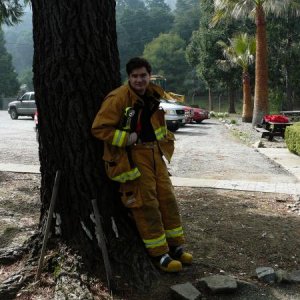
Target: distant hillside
19	43
171	3
19	40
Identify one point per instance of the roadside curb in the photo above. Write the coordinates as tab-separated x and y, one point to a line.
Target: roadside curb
20	168
251	186
283	157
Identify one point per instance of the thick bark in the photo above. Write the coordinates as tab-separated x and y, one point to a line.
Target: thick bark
247	103
261	102
75	65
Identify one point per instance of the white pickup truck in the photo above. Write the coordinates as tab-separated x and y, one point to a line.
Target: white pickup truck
175	115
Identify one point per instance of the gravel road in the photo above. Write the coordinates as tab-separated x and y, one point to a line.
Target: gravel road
17	140
207	150
210	151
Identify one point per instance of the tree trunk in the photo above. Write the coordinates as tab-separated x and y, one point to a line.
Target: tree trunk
247	103
261	103
75	65
288	90
231	100
210	101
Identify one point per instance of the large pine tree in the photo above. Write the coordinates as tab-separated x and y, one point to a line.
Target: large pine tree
75	65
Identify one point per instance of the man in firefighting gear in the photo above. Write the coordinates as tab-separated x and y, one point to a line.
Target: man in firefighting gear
133	128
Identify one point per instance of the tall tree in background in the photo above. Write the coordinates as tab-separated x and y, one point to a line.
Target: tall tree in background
284	73
186	18
241	52
20	44
132	24
258	8
138	23
75	65
160	15
9	84
202	52
167	57
10	14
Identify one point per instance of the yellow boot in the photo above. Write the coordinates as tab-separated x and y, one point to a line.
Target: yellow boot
184	257
167	264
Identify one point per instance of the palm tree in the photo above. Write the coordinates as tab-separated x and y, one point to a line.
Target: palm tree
257	9
241	53
10	11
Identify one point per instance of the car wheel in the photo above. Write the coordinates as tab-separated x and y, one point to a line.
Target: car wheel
13	114
199	121
173	128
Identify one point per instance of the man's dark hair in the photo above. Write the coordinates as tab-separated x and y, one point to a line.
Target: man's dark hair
136	63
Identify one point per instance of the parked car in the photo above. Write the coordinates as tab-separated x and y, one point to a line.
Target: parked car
175	114
23	106
200	114
189	114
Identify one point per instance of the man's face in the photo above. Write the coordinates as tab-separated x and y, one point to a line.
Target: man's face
139	80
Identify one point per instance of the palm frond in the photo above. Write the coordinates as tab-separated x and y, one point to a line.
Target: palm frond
277	7
11	12
232	8
240	51
224	65
246	8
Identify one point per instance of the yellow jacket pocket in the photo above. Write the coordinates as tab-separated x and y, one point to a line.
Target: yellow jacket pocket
117	165
167	145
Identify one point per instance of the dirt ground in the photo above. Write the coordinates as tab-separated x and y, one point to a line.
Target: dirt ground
228	232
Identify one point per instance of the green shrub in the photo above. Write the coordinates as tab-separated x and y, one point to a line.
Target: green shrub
212	114
292	138
233	121
220	115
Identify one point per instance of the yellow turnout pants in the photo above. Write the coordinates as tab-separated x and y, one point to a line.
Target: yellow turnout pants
152	201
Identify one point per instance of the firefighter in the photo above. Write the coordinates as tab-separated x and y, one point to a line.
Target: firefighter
133	128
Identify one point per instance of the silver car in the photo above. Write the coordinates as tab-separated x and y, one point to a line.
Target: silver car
175	115
23	106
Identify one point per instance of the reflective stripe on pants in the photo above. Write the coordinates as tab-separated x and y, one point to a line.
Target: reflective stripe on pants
158	220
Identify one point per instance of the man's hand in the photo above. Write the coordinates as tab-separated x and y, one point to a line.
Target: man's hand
132	139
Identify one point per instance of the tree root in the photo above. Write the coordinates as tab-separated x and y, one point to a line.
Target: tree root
11	286
67	269
64	267
10	255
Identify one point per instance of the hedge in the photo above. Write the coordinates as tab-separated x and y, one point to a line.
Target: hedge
292	138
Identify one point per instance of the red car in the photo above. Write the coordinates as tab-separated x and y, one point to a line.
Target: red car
189	114
200	114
